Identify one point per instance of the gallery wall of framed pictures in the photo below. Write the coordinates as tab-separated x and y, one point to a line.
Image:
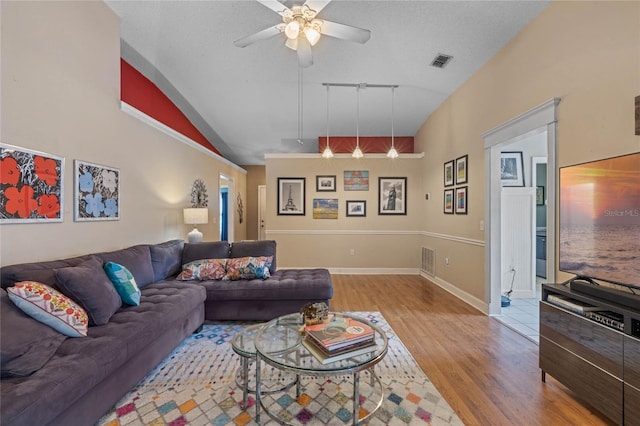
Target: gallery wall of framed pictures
392	195
456	172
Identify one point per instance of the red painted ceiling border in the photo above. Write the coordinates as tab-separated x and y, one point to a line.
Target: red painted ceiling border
139	92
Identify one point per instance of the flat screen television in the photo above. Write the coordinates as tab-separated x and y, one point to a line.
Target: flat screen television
600	221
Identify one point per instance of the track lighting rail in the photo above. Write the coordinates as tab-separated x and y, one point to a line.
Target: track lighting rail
362	85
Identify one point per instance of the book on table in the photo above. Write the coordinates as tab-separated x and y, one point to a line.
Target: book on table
340	333
325	357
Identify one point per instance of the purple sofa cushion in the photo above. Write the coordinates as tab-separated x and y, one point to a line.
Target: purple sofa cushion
27	344
136	259
208	250
255	249
91	288
166	259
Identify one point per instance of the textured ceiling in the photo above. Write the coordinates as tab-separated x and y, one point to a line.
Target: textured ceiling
245	100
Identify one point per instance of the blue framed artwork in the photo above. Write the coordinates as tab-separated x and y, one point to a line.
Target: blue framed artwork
356	180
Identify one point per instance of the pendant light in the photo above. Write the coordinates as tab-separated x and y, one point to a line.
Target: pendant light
357	153
392	152
327	153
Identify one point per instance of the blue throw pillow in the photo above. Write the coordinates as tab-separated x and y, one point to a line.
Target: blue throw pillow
124	283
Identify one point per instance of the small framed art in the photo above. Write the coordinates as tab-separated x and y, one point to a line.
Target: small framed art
539	195
326	183
461	200
392	195
32	186
448	201
325	208
448	173
511	169
291	196
356	180
461	169
96	192
356	208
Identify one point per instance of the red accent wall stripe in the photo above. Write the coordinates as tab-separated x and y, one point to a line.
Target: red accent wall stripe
368	144
139	92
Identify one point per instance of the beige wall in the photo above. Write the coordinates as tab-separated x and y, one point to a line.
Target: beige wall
586	53
60	95
388	242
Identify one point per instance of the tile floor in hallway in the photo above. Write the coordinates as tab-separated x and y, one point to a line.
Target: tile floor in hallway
523	315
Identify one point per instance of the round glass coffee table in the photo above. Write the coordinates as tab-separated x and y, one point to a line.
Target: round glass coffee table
279	344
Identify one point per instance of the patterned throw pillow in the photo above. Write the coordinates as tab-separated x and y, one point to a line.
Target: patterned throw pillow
50	307
124	283
248	268
204	269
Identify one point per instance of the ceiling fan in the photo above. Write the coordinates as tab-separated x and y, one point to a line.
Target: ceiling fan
303	29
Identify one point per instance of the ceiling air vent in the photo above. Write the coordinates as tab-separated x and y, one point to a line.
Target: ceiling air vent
440	61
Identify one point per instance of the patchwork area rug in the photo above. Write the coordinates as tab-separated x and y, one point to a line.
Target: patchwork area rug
196	386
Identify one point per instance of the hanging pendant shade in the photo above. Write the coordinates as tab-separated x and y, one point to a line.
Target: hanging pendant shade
327	153
357	153
392	151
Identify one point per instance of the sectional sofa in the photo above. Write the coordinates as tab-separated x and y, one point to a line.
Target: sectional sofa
51	379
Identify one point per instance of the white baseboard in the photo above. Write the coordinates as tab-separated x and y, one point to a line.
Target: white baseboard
462	295
365	271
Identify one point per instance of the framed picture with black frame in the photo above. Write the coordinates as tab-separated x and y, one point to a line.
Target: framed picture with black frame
326	183
448	173
291	196
392	195
461	200
511	169
356	208
448	201
462	169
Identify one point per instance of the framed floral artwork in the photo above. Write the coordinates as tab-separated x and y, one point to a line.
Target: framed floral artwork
96	192
31	186
392	195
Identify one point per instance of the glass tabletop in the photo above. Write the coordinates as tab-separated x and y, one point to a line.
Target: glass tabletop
243	342
279	342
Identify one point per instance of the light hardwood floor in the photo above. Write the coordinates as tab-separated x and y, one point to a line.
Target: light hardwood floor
487	372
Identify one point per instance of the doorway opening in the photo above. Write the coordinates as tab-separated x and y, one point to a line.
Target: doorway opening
226	193
541	119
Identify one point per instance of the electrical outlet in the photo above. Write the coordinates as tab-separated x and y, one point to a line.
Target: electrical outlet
446	260
482	225
352	252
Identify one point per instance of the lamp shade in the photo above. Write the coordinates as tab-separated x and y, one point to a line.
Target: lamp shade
196	216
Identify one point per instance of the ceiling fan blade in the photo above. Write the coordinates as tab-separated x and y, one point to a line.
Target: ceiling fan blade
317	5
305	57
274	5
345	32
260	35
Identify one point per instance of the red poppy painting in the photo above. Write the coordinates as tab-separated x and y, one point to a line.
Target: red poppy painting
31	185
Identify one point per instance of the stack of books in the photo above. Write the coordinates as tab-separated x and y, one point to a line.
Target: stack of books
339	339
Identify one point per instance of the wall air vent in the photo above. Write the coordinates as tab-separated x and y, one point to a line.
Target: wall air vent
428	261
441	61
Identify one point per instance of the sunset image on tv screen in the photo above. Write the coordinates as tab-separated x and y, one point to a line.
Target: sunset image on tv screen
600	219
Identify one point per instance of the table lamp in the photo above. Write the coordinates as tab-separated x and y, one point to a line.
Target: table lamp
196	216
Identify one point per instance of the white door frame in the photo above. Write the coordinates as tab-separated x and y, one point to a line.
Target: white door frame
541	118
262	208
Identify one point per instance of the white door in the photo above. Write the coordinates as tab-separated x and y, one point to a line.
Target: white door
262	208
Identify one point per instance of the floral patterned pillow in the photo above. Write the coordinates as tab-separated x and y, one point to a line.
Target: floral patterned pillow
204	269
248	268
50	307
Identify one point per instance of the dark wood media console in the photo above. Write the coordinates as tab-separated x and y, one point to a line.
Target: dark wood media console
597	361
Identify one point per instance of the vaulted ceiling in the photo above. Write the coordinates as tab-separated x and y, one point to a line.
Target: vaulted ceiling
245	100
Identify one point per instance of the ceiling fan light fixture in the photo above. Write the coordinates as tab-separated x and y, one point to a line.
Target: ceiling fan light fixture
292	30
311	34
